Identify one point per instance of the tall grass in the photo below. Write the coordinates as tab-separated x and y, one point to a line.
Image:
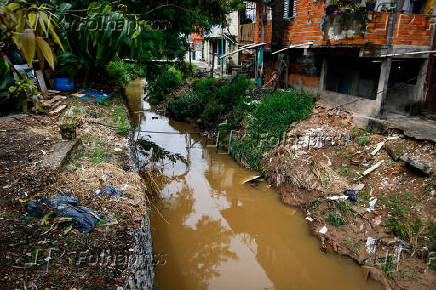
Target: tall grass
269	120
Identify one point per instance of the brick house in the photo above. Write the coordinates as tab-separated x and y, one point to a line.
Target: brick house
376	60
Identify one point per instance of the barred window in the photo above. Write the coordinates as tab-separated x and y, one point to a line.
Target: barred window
289	9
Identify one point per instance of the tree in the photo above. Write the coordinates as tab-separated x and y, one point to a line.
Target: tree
31	28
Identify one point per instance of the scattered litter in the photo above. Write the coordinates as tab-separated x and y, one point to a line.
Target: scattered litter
117	149
309	218
252	179
372	168
125	187
323	230
92	95
61	200
337	197
85	219
372	202
34	208
351	195
377	148
43	152
371	245
109	191
65	206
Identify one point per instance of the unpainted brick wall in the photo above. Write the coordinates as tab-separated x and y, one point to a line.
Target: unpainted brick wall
411	29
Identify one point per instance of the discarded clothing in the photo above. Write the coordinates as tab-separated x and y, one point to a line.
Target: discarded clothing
34	208
60	200
110	191
85	219
351	194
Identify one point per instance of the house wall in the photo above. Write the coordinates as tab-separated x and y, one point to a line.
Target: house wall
306	26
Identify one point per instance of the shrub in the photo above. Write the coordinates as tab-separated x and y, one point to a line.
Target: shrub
270	119
163	84
335	220
185	68
124	72
187	105
212	103
277	111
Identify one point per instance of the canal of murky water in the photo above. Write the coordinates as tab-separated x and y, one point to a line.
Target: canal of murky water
221	234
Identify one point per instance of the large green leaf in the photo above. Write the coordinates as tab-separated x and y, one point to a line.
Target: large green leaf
46	50
27	44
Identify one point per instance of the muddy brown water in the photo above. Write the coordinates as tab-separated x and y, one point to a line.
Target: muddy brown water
221	234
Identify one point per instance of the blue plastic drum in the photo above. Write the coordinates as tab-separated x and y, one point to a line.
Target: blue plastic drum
63	84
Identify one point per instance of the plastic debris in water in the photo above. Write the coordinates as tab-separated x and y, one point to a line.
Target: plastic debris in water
252	179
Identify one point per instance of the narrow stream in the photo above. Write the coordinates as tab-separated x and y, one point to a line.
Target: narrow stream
222	234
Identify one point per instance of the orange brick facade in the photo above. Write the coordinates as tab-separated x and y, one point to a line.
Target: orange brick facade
411	29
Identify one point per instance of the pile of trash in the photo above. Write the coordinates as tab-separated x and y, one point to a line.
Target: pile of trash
64	206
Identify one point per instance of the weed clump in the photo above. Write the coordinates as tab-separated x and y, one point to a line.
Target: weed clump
124	72
269	121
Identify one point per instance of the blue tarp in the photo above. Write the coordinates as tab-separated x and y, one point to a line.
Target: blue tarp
94	96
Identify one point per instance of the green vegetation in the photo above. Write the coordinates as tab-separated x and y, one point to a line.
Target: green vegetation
212	101
269	121
335	220
124	72
388	267
121	119
315	203
402	222
225	106
164	83
344	171
363	141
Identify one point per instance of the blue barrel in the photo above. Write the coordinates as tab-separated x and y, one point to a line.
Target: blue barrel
63	84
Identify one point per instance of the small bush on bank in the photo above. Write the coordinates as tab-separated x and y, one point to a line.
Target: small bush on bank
124	72
210	100
269	120
163	84
185	68
187	105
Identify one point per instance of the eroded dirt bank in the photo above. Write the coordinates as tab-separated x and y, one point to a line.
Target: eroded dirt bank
390	229
51	252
